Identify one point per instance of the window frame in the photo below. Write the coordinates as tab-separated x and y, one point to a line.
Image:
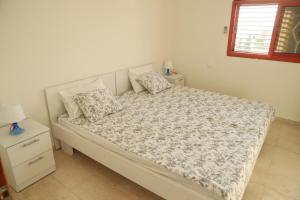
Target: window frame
272	55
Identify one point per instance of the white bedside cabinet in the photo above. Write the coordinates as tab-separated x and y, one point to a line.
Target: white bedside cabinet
177	79
27	157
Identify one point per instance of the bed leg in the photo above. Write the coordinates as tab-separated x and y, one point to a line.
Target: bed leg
57	144
67	149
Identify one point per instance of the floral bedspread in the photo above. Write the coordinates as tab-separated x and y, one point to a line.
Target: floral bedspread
209	138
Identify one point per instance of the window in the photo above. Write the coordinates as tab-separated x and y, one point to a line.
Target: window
265	29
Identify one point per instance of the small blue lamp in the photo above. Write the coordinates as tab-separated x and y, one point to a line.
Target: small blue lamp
12	115
168	68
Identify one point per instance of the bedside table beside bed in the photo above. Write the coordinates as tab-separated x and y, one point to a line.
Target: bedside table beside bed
27	157
177	79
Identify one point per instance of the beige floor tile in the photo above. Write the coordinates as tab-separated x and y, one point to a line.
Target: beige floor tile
285	177
120	195
279	155
262	166
138	191
286	186
109	174
290	138
279	182
61	157
254	191
281	162
99	187
74	169
46	189
263	160
273	194
274	133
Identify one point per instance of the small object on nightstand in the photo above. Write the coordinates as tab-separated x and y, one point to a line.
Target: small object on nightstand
168	68
12	115
27	157
177	79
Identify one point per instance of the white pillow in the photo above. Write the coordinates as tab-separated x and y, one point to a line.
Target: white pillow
134	73
98	103
154	82
67	96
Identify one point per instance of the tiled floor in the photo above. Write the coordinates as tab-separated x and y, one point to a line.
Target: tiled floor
276	175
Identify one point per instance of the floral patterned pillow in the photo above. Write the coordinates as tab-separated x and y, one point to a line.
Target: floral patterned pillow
97	103
154	82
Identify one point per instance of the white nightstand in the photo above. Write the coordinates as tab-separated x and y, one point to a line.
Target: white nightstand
27	157
177	79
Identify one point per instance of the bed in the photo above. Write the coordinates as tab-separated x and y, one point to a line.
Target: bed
182	143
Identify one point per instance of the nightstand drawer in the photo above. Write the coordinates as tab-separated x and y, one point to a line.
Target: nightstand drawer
176	79
28	149
33	167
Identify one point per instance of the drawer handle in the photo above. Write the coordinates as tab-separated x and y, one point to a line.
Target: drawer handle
36	160
30	143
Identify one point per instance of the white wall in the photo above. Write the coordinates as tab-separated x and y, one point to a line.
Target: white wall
47	42
199	51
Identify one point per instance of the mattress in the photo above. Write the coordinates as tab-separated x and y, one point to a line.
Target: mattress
84	133
196	137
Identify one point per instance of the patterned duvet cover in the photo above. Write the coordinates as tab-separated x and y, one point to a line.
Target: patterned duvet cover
211	139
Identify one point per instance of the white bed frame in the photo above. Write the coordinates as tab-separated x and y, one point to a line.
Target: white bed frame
68	140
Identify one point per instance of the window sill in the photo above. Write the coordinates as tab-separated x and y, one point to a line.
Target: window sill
274	57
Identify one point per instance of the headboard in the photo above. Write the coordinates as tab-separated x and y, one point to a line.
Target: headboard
117	81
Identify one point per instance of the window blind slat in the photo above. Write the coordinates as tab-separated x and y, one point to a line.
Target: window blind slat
255	27
255	32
